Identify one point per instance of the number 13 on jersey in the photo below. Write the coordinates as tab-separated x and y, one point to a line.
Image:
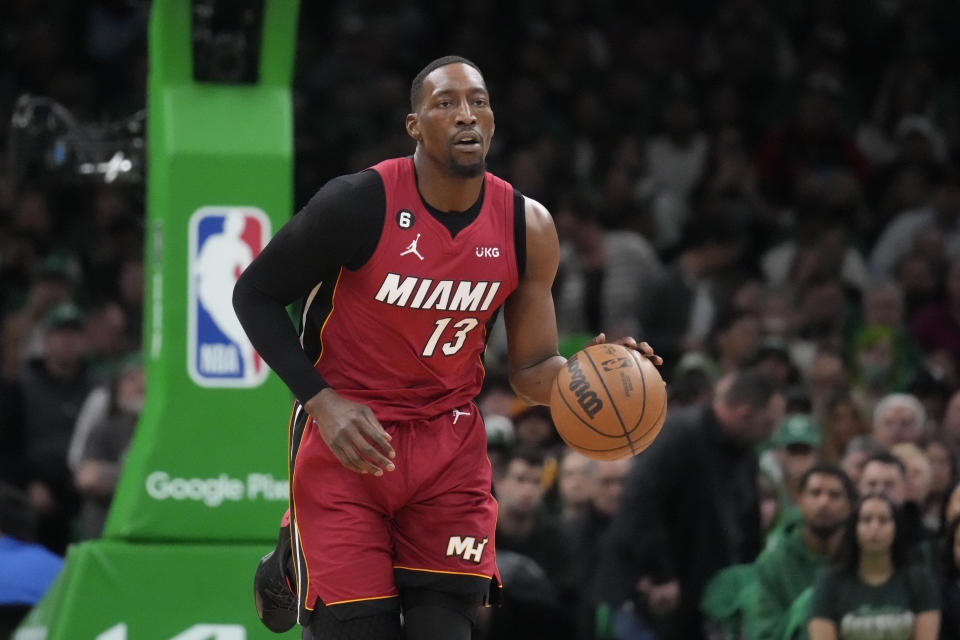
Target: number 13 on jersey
460	331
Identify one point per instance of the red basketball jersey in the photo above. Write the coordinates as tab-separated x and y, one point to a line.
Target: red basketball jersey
407	330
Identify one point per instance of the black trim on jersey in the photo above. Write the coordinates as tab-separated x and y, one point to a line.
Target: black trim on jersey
312	321
298	422
454	221
520	232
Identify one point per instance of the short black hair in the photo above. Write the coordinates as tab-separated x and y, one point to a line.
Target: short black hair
885	457
830	469
750	387
531	455
416	87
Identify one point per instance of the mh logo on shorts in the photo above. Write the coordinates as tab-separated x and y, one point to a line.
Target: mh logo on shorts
467	547
223	241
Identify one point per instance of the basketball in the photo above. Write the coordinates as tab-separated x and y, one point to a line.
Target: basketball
608	402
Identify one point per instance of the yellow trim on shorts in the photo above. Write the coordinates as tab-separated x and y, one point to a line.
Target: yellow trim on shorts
454	573
330	604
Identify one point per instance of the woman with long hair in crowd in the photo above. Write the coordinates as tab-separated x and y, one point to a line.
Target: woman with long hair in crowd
842	422
873	590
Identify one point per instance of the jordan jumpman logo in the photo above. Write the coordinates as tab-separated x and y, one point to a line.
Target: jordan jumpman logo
457	413
413	248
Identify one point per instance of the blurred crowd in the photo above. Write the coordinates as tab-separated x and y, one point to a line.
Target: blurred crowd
767	191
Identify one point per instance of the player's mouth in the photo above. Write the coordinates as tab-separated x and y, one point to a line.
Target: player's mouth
468	141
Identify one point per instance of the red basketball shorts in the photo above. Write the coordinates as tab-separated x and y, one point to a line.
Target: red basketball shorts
430	523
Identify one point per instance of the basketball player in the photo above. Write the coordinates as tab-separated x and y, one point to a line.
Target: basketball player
403	267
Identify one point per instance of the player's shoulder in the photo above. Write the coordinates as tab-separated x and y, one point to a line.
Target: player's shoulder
351	193
537	216
368	179
540	242
533	207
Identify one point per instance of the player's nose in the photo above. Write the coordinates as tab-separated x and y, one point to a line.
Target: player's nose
465	114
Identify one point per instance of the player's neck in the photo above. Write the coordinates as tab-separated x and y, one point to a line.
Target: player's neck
443	191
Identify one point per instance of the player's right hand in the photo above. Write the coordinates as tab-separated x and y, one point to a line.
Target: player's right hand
630	343
352	432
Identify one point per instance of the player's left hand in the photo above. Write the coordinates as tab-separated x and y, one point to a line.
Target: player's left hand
630	343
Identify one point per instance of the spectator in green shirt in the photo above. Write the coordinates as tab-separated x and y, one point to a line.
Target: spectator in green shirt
784	570
873	591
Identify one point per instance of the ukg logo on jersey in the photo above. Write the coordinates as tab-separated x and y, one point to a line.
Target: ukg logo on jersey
223	241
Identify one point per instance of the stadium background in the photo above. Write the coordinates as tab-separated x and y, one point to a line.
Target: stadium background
805	127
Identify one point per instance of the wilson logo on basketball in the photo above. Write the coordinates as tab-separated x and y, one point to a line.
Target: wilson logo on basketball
621	364
624	415
586	397
616	363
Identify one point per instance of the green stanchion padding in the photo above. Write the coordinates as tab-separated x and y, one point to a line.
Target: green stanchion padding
207	461
115	590
204	483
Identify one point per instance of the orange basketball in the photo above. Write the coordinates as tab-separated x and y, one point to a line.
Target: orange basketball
608	402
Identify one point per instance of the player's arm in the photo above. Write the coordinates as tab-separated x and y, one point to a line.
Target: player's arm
528	313
339	227
530	318
308	250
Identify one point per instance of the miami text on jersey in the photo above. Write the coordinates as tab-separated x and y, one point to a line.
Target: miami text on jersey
444	295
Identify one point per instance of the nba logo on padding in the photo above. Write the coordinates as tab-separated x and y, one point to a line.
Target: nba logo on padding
223	241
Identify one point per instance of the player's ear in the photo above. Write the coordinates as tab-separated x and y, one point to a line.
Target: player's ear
413	126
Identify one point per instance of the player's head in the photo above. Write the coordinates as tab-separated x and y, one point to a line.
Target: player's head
451	118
